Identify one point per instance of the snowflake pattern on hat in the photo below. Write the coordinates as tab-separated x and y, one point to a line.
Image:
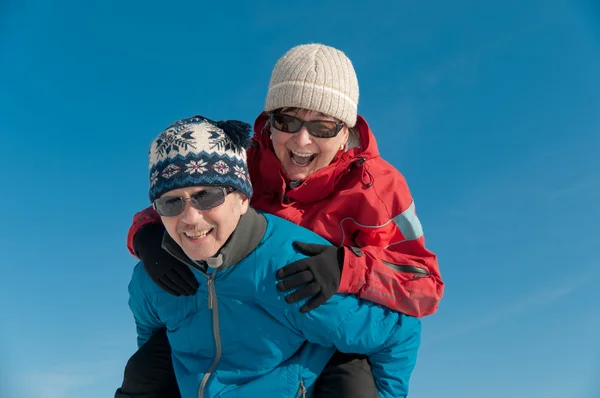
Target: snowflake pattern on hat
173	139
196	166
239	172
221	167
170	171
221	142
153	178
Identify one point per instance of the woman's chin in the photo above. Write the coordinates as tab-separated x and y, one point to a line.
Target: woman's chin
296	172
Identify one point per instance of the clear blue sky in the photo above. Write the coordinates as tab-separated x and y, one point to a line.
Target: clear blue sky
491	111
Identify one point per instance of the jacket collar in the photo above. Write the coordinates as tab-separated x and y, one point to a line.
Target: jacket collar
245	238
269	178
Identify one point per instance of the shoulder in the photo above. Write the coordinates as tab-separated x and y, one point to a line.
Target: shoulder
380	167
283	231
374	172
389	190
276	247
141	283
139	274
375	191
280	236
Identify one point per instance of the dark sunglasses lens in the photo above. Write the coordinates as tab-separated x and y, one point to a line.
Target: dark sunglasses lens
208	199
169	207
286	123
323	129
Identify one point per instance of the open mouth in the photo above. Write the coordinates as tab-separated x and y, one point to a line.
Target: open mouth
195	236
301	159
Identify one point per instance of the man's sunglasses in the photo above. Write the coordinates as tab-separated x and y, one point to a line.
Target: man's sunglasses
316	128
202	200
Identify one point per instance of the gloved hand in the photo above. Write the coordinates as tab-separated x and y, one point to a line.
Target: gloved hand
319	275
166	271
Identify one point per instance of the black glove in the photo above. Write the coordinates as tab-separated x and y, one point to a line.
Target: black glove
319	275
166	271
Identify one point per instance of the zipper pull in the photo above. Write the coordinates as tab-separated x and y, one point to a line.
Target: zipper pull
209	285
301	390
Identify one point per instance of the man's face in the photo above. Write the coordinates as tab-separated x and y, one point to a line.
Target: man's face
202	233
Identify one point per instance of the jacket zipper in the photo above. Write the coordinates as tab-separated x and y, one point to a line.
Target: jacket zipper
301	390
213	305
411	269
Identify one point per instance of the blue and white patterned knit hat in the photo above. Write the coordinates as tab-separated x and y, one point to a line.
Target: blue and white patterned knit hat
200	152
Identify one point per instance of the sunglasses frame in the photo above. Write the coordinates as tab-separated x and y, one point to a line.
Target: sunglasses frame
226	191
303	123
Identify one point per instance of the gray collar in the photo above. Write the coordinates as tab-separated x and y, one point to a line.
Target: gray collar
241	243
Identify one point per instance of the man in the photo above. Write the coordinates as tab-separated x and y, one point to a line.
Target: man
237	337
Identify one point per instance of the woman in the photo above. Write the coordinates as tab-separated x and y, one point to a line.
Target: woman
315	162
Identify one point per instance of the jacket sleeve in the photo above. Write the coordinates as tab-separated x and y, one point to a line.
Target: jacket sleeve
146	320
146	216
391	265
390	340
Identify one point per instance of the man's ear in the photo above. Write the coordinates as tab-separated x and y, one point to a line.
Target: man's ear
244	202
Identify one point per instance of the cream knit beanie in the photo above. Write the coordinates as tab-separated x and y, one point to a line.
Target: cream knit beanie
315	77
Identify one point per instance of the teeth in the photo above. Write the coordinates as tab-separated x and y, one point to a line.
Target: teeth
302	155
197	234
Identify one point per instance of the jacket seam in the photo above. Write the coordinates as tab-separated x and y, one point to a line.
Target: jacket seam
342	322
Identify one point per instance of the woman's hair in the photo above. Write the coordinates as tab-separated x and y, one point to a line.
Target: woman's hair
353	138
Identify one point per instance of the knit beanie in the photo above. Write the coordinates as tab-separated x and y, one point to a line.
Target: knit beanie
200	152
315	77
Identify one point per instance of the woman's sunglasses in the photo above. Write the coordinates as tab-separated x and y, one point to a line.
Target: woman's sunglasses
316	128
202	200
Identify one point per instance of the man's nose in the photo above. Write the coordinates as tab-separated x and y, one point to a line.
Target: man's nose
190	214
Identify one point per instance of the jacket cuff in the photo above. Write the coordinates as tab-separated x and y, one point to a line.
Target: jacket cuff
353	278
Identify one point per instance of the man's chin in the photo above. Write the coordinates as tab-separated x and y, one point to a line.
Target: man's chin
194	255
199	254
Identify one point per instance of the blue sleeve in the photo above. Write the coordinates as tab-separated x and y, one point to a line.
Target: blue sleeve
390	340
146	319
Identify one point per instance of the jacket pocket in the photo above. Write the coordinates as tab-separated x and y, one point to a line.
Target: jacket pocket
410	269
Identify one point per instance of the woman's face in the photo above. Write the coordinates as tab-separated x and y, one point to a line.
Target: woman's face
300	153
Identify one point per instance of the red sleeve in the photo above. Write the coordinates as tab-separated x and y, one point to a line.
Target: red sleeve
392	267
146	216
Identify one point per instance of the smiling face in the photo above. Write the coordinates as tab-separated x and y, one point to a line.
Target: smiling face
202	233
300	153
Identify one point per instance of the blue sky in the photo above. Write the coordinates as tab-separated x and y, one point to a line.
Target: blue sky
492	112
